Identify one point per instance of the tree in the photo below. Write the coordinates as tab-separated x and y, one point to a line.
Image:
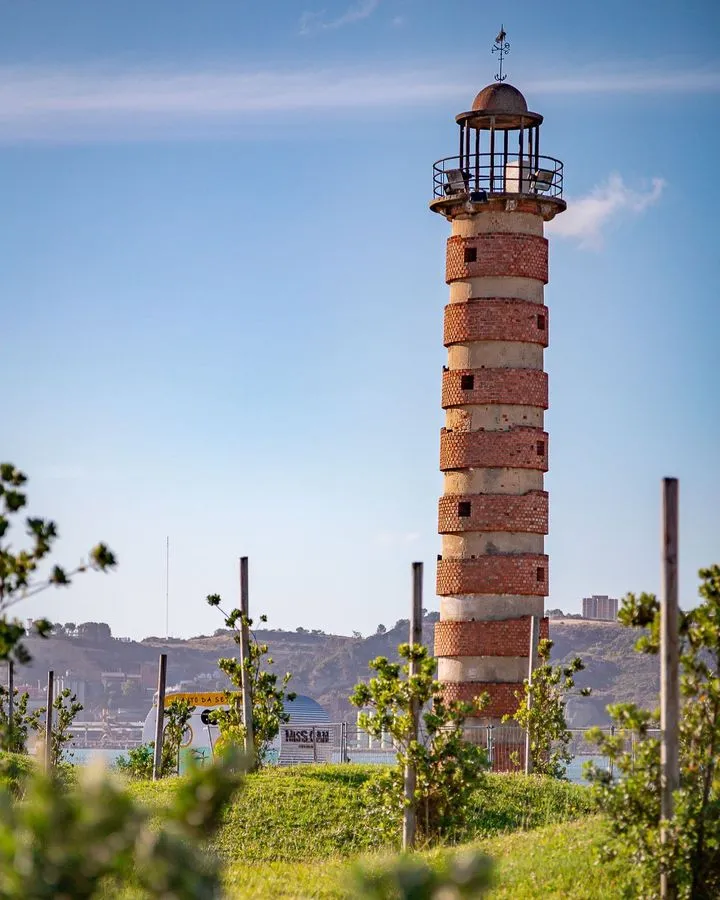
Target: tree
14	734
630	794
65	708
18	568
139	761
449	768
381	629
267	694
542	712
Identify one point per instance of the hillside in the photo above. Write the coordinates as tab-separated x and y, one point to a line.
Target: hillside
326	666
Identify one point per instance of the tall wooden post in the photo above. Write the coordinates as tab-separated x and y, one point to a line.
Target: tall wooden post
245	655
532	663
11	699
160	717
49	720
669	668
409	809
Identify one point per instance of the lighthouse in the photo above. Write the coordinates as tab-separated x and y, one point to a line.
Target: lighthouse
497	193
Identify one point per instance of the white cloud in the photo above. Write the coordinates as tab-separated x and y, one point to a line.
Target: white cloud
112	103
318	21
586	217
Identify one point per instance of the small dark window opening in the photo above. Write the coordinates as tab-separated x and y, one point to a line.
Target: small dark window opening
470	254
541	322
540	448
464	509
540	574
467	382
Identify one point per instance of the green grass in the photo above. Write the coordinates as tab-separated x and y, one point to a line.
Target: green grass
305	813
292	832
556	861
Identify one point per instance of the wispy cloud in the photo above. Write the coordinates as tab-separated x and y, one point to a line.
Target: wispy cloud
318	21
586	217
110	103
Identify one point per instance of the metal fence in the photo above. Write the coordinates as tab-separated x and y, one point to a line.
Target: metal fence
505	745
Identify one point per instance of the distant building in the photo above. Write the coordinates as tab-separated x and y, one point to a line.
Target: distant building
600	606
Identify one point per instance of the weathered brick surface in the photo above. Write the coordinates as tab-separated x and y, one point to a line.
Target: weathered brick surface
502	699
519	387
498	637
515	448
515	255
494	512
525	574
495	319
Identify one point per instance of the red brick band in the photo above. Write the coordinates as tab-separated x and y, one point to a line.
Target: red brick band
495	319
498	637
501	697
494	512
518	448
525	574
513	255
518	387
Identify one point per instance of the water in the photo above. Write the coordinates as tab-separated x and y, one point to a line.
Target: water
82	757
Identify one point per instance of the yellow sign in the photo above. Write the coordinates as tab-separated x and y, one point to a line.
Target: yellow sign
211	698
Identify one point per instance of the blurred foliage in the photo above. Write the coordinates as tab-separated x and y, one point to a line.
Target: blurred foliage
465	874
64	843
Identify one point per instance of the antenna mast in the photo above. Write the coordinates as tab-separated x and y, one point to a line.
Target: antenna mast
167	586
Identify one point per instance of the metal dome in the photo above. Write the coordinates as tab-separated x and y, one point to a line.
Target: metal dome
305	709
500	99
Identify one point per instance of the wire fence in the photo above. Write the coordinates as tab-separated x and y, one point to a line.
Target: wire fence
346	742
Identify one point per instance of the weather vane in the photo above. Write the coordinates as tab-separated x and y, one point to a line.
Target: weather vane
503	48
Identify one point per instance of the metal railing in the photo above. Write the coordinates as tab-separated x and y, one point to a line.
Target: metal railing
497	173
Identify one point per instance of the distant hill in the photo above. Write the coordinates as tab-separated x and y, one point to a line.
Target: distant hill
326	666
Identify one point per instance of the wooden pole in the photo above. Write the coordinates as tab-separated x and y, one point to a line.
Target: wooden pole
160	716
49	720
245	655
409	808
11	701
532	663
669	668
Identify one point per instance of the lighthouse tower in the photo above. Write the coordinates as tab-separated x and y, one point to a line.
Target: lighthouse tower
492	577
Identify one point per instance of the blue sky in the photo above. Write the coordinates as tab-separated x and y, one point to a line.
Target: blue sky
222	291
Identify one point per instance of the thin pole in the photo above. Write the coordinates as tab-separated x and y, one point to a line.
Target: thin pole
49	720
532	660
245	655
409	810
167	586
162	676
669	668
11	700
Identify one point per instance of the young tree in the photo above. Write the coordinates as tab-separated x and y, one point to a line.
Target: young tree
14	734
139	761
449	768
65	710
19	568
542	712
268	694
630	795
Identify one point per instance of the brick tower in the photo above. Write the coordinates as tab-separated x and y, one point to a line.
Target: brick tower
492	576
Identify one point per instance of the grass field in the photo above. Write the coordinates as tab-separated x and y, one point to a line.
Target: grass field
291	833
